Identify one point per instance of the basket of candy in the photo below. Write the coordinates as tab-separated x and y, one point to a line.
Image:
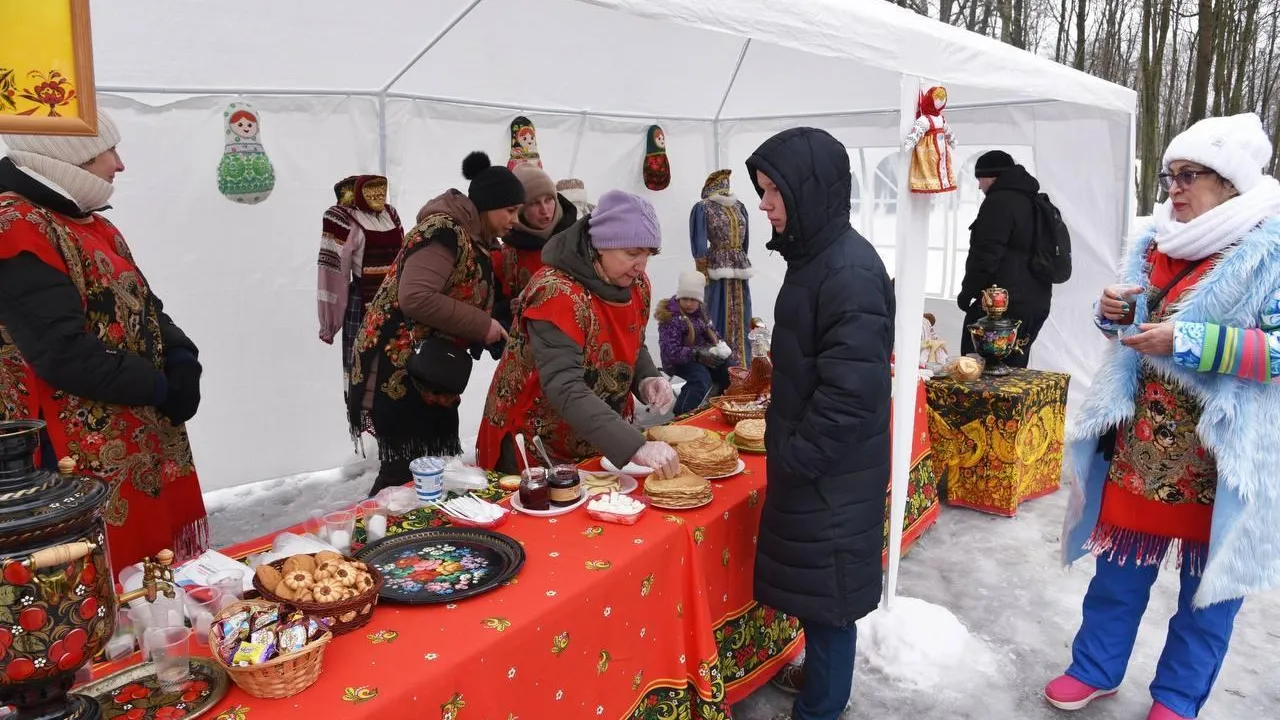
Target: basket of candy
267	649
736	408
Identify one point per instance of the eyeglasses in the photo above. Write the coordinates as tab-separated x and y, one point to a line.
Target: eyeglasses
1184	179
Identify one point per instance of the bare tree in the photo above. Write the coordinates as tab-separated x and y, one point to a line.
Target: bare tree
1203	62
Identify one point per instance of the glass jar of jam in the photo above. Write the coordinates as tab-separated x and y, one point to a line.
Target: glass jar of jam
535	494
566	485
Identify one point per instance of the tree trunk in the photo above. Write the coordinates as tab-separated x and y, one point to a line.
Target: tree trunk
1203	62
1082	7
1247	41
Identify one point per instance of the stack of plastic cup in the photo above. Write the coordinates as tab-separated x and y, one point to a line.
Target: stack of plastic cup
428	477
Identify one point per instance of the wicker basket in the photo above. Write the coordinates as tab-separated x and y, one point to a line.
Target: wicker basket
733	417
280	677
341	617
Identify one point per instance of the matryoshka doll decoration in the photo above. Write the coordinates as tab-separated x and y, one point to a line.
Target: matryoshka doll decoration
524	144
931	142
657	169
245	174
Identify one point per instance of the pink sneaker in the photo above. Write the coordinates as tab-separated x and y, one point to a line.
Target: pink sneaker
1067	693
1160	712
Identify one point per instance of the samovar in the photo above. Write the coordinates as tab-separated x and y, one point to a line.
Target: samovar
995	336
57	597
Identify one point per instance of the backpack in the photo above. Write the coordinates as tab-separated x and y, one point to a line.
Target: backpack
1051	245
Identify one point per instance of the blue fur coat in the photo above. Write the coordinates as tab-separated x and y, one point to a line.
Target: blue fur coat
1239	424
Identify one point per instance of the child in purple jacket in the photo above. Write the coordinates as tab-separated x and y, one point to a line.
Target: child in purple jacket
690	346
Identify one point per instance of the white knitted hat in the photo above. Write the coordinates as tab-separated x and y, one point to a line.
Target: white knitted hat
1236	147
73	149
692	285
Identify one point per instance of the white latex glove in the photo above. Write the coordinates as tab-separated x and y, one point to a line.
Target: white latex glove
659	457
721	350
656	392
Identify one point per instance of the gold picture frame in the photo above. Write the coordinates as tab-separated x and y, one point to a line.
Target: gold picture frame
46	68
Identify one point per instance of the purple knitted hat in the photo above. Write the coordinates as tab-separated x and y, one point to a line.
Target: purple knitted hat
622	220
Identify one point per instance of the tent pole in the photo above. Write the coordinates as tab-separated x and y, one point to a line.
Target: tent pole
577	144
909	280
886	111
382	134
430	44
444	100
143	90
1131	178
733	78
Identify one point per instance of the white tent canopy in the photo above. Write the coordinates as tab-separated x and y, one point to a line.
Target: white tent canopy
409	87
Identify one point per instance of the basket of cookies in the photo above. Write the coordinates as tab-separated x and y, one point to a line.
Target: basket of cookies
337	589
268	650
736	408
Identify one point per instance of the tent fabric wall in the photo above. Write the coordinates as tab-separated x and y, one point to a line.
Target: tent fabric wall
241	279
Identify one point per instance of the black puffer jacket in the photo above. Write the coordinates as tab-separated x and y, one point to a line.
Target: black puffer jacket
821	530
1000	241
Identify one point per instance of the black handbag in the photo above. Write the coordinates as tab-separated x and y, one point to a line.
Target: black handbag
440	365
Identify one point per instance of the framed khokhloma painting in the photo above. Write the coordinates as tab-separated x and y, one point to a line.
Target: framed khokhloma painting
46	68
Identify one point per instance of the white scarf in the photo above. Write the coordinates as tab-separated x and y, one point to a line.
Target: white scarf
725	199
1223	226
88	191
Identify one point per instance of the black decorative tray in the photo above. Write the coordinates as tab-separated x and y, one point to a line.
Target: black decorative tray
443	565
137	688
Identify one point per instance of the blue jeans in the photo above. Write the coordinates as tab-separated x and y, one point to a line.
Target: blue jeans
697	383
828	671
1193	651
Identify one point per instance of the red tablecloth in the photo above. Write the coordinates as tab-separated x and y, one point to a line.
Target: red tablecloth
654	620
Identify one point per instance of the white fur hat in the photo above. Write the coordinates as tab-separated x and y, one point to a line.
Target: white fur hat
692	286
1236	147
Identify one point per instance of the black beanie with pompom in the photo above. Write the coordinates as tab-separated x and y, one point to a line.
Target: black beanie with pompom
491	187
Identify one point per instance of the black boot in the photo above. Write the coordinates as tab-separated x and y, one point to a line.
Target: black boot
390	474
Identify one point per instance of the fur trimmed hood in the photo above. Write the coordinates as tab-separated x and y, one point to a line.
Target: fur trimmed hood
1237	422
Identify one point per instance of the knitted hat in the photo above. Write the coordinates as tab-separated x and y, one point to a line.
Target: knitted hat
991	163
536	181
623	220
692	286
1235	147
76	150
492	187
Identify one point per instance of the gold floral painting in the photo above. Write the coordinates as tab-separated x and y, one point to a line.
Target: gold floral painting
46	68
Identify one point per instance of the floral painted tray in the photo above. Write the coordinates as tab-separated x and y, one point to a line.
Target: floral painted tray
444	564
134	693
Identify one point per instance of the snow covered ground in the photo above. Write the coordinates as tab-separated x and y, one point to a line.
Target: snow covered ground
1009	616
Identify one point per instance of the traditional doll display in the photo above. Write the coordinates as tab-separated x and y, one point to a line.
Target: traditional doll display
657	169
524	144
931	143
933	349
245	174
360	237
719	238
575	191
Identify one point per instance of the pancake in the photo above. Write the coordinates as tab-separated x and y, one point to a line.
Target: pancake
685	490
708	456
600	482
676	434
749	434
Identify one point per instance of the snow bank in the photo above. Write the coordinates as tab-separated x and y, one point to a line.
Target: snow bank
923	646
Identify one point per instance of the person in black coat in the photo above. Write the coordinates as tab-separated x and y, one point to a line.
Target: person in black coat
1000	245
821	528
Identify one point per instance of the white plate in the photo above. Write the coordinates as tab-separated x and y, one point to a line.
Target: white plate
742	465
631	469
627	484
550	512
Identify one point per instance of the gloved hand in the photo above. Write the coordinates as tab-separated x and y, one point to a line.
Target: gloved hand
659	457
656	392
706	358
182	370
964	301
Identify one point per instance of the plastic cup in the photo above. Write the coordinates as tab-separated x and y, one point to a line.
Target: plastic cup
428	477
1129	294
202	604
315	525
373	512
341	525
230	586
170	652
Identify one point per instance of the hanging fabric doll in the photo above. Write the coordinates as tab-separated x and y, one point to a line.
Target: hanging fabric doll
245	174
524	144
718	235
657	169
575	192
360	238
931	143
933	349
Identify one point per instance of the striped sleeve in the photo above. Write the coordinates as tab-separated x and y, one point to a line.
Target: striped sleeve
1248	353
1103	324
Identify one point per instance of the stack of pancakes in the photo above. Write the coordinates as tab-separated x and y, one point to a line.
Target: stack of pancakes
685	490
598	483
709	456
675	434
749	435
